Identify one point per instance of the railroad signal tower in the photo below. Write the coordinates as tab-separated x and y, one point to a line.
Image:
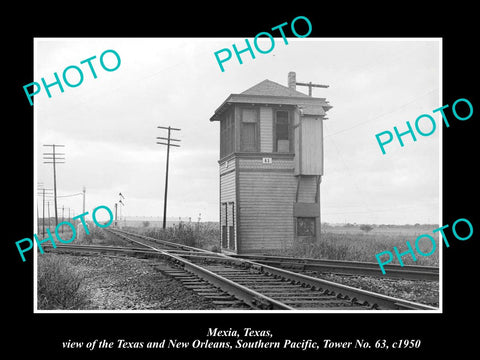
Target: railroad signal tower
271	165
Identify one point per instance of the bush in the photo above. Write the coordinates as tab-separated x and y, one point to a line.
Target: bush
94	233
359	246
202	235
366	227
58	286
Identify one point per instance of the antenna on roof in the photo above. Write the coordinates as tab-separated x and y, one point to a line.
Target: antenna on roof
292	82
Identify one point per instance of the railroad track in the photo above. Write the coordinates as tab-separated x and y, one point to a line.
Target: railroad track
305	265
408	272
238	283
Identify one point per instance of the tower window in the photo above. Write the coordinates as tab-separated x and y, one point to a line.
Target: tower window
248	135
227	135
306	226
282	132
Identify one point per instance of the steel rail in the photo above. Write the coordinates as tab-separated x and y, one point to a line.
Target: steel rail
258	300
251	297
248	296
360	295
243	293
411	272
382	301
157	241
101	248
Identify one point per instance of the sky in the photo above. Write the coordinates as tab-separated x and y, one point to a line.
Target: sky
109	124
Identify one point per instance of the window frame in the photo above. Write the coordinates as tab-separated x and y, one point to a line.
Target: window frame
314	221
290	130
256	131
227	134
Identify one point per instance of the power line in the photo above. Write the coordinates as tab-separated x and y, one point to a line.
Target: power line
62	196
382	115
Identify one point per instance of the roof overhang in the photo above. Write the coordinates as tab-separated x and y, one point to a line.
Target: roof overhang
309	105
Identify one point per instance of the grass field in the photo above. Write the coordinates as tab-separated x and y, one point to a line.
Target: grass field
205	235
352	243
59	286
347	242
344	242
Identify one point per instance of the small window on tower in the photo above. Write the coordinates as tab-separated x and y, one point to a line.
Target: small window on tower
306	226
282	131
248	133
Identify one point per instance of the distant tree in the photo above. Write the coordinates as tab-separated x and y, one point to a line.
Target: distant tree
146	223
366	227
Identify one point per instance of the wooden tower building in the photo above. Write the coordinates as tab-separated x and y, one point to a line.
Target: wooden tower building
271	164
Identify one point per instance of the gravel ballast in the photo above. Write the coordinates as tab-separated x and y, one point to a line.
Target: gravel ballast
117	283
128	283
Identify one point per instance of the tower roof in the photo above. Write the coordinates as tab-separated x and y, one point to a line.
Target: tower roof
268	92
271	88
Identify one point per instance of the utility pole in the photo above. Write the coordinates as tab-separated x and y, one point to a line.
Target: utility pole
42	189
43	212
168	144
121	197
56	158
63	210
38	220
116	214
310	85
84	190
48	206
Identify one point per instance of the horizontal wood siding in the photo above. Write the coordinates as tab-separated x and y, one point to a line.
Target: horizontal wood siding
227	187
266	128
266	211
227	166
307	190
311	146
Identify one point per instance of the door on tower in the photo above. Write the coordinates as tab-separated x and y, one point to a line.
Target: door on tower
231	225
227	223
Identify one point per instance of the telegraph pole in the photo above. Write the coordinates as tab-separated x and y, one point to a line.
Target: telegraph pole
168	144
116	214
43	205
84	190
48	206
38	220
63	211
310	85
121	197
56	158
